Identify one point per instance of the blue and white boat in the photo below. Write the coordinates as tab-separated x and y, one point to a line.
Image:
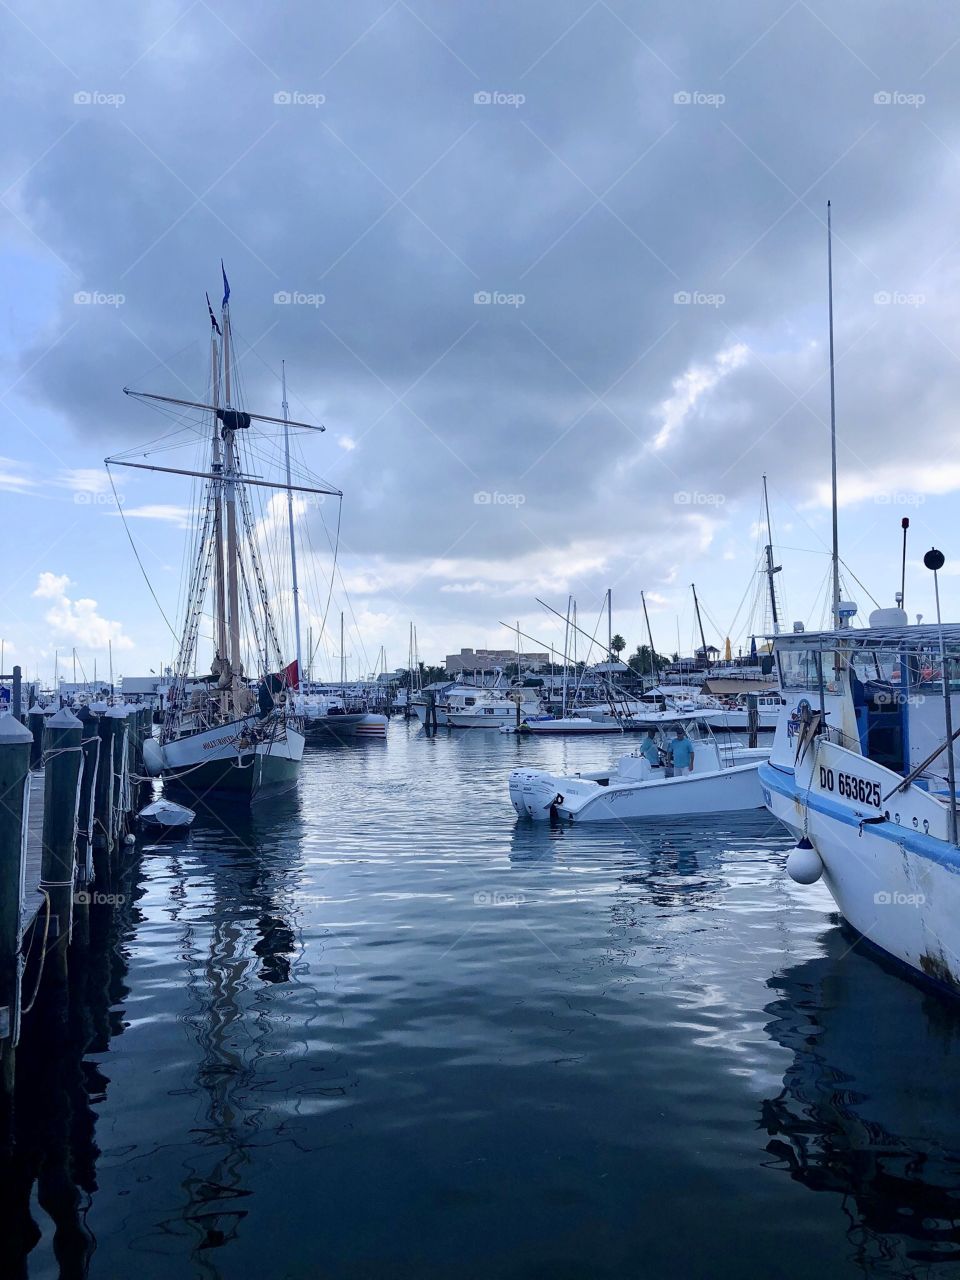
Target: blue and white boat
863	771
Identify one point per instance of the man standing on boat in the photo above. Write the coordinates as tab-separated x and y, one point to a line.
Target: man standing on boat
681	751
650	749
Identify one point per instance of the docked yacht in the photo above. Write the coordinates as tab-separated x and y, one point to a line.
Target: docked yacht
736	717
863	770
723	780
489	710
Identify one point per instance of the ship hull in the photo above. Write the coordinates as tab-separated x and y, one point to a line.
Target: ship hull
220	762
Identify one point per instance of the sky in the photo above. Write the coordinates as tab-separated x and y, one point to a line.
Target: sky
552	275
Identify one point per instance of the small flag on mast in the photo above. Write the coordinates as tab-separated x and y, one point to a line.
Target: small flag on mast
226	285
213	318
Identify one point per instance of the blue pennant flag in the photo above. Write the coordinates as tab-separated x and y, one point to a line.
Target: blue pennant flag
226	285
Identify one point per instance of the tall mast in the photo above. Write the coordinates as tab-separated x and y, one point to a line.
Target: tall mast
771	567
293	543
343	661
837	620
653	660
230	476
566	641
610	624
703	642
216	467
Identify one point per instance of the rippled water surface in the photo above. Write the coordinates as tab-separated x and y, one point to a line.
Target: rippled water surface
380	1029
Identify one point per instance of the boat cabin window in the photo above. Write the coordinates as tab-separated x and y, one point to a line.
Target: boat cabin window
799	669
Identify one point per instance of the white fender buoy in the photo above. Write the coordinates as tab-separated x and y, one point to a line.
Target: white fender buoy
804	864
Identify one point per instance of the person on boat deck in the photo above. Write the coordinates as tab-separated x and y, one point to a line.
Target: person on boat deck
681	751
650	750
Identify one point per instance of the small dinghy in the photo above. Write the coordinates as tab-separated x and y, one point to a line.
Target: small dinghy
165	815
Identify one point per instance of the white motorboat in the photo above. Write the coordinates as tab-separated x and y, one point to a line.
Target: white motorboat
736	717
166	815
723	780
576	724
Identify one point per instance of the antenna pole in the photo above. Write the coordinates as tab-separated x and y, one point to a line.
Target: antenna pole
904	525
837	620
935	560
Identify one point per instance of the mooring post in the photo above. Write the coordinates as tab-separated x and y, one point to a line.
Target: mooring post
62	763
35	721
90	742
121	773
16	742
103	833
753	718
16	700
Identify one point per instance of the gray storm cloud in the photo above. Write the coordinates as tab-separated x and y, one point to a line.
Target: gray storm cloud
570	252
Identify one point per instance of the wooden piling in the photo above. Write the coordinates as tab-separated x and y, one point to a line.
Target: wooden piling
16	742
16	699
753	719
120	791
63	759
103	837
35	721
430	719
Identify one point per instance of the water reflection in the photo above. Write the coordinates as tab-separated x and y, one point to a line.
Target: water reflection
867	1111
58	1086
243	934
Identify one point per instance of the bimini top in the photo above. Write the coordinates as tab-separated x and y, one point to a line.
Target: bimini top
918	637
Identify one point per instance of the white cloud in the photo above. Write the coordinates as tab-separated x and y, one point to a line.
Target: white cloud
85	480
13	478
691	387
50	586
179	516
77	621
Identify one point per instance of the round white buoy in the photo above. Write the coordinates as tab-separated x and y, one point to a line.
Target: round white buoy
129	838
804	864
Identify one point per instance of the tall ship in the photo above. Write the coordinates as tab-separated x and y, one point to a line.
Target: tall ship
235	728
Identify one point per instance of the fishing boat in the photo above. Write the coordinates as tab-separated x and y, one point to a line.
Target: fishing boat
724	779
864	763
227	731
863	771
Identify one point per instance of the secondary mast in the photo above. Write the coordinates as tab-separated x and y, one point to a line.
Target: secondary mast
230	475
293	543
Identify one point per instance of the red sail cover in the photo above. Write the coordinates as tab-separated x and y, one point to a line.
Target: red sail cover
291	675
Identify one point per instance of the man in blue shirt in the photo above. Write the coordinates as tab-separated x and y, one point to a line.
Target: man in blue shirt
650	749
681	752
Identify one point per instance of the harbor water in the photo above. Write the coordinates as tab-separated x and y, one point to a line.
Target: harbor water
379	1028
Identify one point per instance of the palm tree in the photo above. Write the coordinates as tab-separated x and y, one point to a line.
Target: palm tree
618	644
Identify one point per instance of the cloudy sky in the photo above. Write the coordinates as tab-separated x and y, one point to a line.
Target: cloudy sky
552	274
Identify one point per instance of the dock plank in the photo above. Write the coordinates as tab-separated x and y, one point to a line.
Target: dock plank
32	898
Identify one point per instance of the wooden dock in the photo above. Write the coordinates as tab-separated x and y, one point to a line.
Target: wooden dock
32	898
